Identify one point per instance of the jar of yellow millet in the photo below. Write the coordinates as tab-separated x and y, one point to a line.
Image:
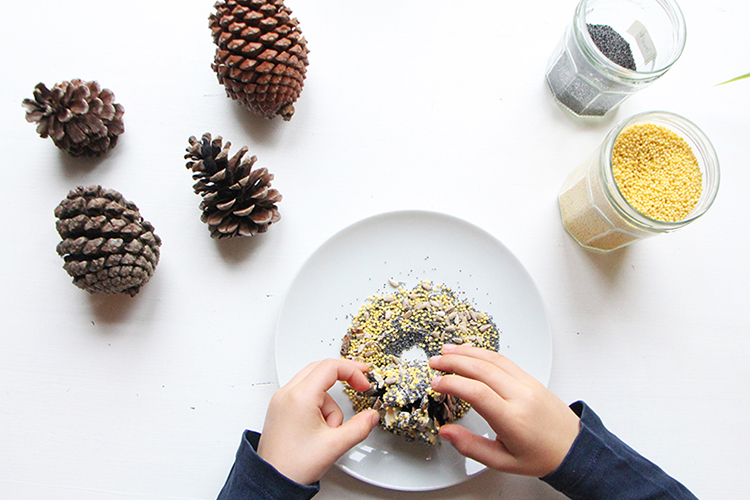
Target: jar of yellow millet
654	173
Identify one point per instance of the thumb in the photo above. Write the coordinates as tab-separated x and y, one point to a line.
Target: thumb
356	429
487	451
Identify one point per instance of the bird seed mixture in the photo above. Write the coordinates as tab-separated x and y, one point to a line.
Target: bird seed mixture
426	317
657	172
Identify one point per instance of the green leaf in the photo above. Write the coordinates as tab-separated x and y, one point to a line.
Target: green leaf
735	79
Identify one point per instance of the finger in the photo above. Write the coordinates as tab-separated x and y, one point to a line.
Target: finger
490	452
493	357
355	430
302	374
327	372
483	399
477	369
331	412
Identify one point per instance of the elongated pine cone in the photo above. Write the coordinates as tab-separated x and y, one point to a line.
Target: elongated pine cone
237	200
107	246
80	117
261	57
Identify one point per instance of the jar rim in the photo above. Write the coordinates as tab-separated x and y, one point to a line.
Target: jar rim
589	48
706	156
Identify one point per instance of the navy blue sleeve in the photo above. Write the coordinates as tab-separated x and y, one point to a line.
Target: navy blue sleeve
600	466
252	478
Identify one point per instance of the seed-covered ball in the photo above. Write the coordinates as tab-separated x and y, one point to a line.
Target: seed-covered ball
425	317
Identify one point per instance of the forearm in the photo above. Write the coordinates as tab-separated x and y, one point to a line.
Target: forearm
600	466
252	478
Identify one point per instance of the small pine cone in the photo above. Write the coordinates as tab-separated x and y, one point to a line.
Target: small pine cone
80	117
261	57
237	200
107	246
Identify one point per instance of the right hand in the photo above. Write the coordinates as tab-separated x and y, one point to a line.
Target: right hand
535	429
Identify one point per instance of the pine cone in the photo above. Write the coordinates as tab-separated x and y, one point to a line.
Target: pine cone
237	200
81	117
107	246
261	57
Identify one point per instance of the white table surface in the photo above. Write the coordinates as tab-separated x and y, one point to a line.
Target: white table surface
407	105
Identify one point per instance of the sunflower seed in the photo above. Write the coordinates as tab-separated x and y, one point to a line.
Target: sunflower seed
427	287
393	283
485	327
345	344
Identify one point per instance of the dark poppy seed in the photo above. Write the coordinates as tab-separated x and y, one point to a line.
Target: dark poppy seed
612	45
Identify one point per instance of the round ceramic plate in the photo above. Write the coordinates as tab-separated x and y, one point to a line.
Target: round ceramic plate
409	246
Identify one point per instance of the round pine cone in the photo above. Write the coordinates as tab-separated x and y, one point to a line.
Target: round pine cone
107	246
261	57
81	117
237	200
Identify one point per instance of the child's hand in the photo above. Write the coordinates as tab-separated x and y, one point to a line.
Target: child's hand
534	428
304	433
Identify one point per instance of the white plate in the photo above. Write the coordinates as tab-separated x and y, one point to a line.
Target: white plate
409	246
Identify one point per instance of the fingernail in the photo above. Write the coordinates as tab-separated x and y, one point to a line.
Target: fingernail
435	359
449	347
375	418
434	382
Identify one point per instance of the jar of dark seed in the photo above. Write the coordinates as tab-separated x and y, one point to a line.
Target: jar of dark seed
655	173
612	49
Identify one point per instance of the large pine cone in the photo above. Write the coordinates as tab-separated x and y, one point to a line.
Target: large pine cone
261	57
80	117
237	200
107	246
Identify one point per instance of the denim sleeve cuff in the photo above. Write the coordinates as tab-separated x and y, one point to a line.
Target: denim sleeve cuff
600	466
252	478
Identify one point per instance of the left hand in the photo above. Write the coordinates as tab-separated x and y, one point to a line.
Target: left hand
304	432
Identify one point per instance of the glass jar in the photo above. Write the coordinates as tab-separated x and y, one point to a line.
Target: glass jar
593	209
588	83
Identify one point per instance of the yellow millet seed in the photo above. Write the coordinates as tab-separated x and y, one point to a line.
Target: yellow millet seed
657	172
